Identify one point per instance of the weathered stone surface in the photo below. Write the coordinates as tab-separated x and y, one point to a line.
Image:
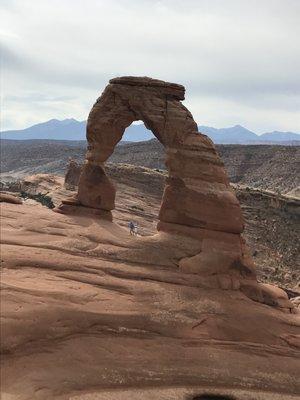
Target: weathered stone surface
80	321
72	174
95	188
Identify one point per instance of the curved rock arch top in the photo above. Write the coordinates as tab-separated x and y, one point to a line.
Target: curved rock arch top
197	191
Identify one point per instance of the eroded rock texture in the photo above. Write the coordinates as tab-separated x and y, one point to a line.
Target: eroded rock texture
197	192
82	319
72	174
197	202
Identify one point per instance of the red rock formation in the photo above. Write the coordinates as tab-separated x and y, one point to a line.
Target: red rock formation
72	174
197	202
197	192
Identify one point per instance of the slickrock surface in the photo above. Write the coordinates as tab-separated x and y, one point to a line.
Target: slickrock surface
89	311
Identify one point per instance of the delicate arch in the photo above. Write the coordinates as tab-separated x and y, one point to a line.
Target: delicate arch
197	201
197	192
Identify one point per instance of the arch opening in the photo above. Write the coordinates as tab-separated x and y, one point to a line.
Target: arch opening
137	132
138	172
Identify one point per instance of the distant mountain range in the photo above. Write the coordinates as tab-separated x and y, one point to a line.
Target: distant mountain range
71	129
67	129
239	135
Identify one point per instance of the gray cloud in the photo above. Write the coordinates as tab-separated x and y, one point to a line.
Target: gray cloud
242	57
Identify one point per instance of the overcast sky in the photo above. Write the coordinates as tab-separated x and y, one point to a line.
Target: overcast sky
238	59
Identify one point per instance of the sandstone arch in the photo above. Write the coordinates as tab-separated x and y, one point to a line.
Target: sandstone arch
197	192
198	203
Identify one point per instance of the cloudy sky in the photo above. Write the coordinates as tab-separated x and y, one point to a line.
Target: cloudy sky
238	59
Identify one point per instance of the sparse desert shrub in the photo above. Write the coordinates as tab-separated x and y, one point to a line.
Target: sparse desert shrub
40	197
137	208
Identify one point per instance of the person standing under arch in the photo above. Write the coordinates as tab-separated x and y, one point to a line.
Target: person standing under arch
131	228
